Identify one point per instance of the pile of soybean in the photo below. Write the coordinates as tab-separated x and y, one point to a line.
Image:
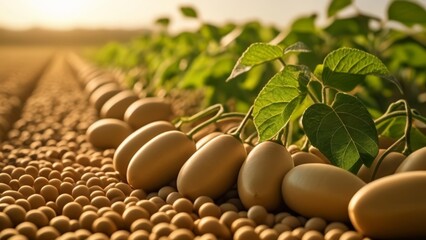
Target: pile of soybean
266	176
57	183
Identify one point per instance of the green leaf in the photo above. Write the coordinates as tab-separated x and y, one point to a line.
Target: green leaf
304	24
210	32
318	71
411	54
407	12
345	68
344	132
337	5
164	21
188	11
277	101
297	48
255	54
198	72
349	27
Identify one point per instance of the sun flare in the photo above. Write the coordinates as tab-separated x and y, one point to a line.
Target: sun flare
60	13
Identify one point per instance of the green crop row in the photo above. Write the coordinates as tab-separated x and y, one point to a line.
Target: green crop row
276	69
203	58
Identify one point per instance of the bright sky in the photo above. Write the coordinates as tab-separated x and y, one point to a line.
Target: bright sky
68	14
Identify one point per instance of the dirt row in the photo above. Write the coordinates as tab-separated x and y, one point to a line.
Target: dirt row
20	70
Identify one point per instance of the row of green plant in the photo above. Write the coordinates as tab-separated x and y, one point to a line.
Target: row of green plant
203	58
302	90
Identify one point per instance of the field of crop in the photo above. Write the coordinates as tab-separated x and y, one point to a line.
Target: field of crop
235	131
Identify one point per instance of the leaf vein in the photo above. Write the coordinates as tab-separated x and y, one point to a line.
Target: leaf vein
358	61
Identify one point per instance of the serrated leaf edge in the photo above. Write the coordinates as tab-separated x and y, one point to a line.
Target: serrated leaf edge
240	68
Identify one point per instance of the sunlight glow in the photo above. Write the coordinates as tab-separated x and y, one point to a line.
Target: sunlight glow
133	14
59	13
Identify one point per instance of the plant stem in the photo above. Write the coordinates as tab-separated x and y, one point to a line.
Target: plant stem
231	130
232	114
393	106
282	62
398	113
250	138
387	116
407	130
409	115
243	123
305	146
289	137
177	123
204	113
198	115
281	133
389	150
324	94
418	116
313	97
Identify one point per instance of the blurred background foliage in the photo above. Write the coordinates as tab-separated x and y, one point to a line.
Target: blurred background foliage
159	62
